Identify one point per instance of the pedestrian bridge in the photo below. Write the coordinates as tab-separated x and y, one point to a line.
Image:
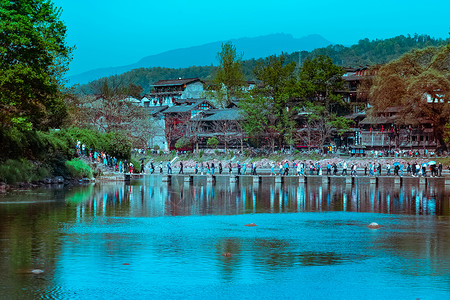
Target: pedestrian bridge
292	179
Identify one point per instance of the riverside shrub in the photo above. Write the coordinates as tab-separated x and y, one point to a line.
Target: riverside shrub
78	168
13	171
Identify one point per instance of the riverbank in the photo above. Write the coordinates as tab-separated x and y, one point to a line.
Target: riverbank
103	173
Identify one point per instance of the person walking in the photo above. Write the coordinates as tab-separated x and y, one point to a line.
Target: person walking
169	168
244	168
212	168
239	168
440	170
196	168
286	168
220	168
272	166
230	167
344	169
142	167
424	170
181	168
152	166
302	169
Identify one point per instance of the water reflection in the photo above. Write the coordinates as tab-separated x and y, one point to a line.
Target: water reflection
80	234
153	199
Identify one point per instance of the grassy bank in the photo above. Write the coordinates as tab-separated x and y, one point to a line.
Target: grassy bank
30	156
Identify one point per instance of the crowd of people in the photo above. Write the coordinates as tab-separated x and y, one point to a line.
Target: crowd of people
299	168
107	160
303	168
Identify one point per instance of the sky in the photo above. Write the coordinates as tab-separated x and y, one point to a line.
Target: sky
108	33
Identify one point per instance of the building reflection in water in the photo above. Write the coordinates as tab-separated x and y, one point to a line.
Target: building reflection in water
152	198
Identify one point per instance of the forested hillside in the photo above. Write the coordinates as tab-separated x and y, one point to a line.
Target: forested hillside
366	52
374	52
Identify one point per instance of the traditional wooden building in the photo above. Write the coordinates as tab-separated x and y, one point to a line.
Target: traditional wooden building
224	124
169	92
181	120
388	130
354	79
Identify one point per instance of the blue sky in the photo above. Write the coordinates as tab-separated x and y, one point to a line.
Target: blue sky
116	32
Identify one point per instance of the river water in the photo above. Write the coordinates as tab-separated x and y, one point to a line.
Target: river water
148	240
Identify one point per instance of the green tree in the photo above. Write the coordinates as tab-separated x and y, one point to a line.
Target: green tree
229	80
419	83
272	102
320	79
183	142
259	121
33	58
212	142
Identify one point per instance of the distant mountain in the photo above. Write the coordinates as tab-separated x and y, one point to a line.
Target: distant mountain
206	55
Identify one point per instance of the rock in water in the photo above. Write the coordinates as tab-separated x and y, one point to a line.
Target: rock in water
37	271
227	254
374	225
251	225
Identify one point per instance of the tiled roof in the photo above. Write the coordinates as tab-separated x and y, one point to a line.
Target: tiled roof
153	110
378	120
179	81
181	108
223	115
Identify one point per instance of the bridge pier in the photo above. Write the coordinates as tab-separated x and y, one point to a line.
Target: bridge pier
188	179
127	177
166	178
348	179
422	181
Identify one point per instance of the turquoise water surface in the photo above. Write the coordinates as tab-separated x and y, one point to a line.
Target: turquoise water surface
150	240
